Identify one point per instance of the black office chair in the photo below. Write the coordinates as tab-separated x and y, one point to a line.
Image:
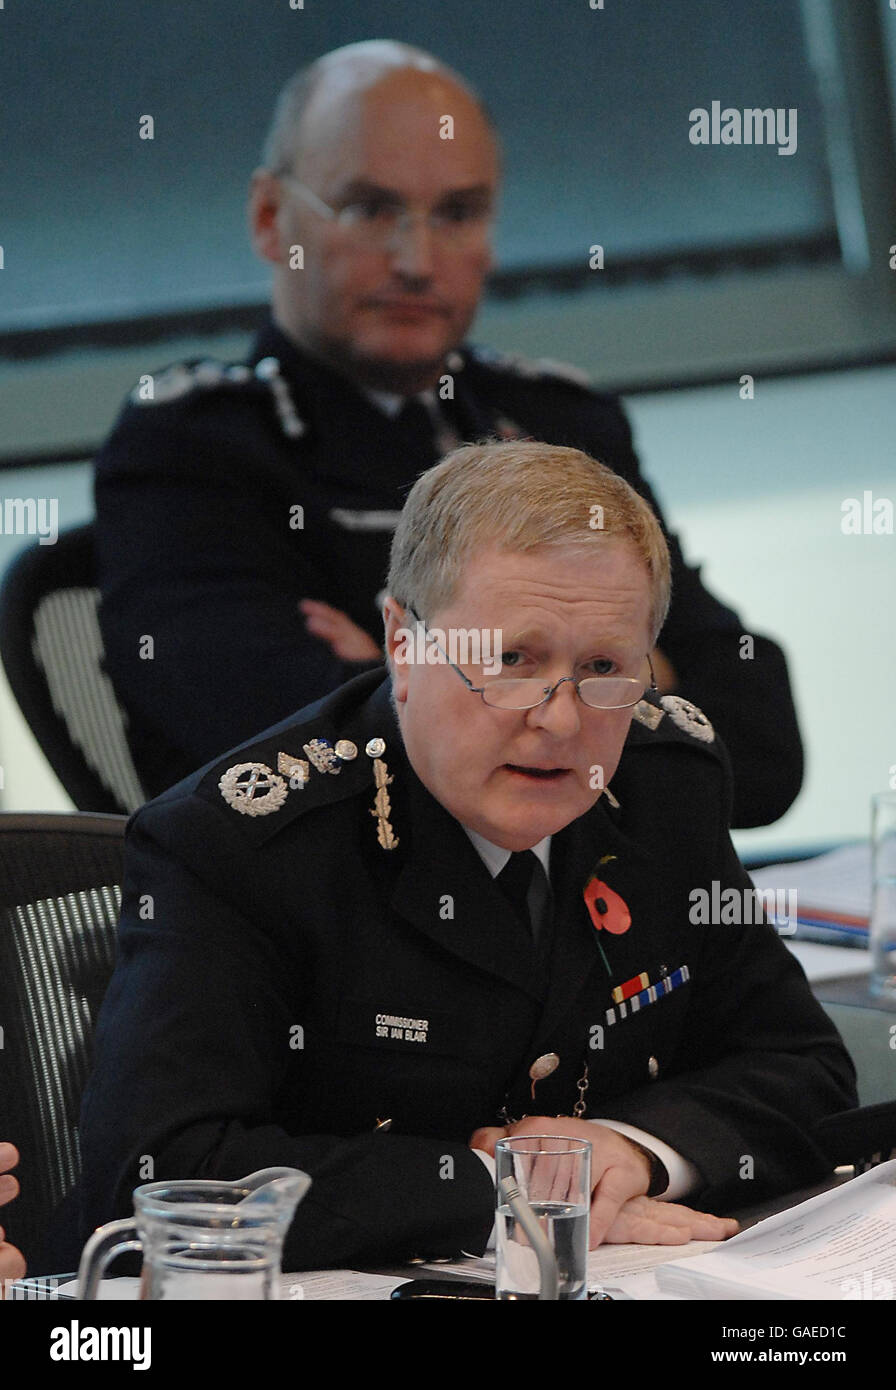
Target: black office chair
60	895
52	652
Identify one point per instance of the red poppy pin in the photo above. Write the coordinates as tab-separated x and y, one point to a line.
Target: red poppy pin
607	909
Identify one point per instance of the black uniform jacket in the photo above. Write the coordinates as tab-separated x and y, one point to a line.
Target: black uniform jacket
229	496
284	983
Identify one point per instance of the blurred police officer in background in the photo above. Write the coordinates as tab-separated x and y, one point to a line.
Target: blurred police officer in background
244	513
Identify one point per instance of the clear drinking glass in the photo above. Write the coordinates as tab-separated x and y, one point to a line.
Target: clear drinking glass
554	1175
883	896
202	1239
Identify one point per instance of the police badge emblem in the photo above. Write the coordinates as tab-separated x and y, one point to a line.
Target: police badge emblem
688	717
253	789
323	755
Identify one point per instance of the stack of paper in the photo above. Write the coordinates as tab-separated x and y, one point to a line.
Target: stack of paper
823	899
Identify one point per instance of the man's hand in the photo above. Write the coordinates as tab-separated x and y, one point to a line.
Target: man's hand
12	1265
345	639
646	1221
620	1176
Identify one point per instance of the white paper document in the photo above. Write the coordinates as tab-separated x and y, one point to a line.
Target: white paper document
307	1284
837	883
608	1265
840	1245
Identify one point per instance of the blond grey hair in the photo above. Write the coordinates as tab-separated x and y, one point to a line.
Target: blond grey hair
517	496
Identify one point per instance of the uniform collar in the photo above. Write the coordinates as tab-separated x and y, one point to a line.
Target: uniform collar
337	414
495	858
302	369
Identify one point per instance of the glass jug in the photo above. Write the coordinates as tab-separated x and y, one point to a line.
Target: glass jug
202	1239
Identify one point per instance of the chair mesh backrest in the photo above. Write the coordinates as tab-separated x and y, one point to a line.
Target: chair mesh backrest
68	647
51	939
59	905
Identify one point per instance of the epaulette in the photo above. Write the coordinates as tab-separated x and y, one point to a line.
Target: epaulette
533	369
268	784
671	712
208	374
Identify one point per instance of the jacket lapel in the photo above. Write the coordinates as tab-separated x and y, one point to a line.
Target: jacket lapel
476	418
577	961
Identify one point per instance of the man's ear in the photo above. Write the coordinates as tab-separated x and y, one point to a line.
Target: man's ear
265	197
398	636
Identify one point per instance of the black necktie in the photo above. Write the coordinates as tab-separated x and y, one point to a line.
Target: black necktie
515	882
430	432
416	422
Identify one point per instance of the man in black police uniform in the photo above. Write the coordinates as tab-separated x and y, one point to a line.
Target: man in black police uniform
339	924
244	513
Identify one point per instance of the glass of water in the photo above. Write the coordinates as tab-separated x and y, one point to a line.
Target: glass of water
554	1176
883	896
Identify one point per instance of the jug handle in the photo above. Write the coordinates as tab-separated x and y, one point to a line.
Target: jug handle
105	1243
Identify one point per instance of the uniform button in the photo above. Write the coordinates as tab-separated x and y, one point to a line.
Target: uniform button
543	1066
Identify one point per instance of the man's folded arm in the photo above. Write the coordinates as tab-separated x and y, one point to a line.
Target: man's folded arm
380	1197
762	1063
744	1122
201	577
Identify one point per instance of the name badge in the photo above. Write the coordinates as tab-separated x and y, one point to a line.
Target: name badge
409	1026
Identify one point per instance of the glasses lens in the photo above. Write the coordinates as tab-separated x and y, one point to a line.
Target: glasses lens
380	223
377	220
611	692
513	694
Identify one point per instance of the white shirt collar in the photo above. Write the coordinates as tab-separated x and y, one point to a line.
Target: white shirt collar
392	405
494	857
